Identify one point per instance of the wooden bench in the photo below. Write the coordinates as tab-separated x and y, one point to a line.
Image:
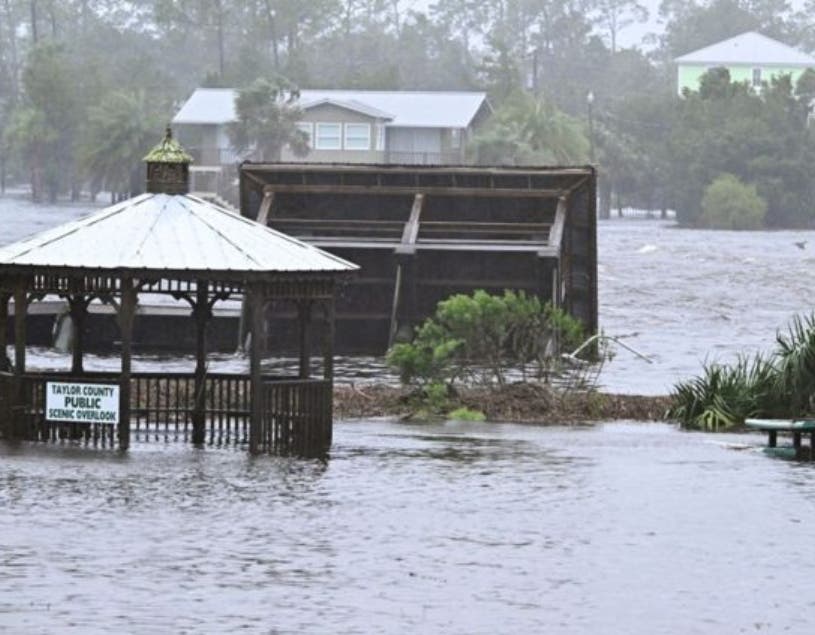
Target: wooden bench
796	427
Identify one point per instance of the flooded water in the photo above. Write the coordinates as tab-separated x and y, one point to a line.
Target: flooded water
455	528
447	528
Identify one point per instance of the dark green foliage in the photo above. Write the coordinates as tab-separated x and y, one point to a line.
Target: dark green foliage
760	138
724	396
781	385
267	114
480	338
730	204
529	131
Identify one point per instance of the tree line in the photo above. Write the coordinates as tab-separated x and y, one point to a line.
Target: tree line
86	86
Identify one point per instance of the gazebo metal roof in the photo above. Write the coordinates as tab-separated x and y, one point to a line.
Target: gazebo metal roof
179	233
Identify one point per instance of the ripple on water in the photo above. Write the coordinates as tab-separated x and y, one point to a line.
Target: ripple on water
456	528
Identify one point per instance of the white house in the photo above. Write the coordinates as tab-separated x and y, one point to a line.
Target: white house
355	126
751	57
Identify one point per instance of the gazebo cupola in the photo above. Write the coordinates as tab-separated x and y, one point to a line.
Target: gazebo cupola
168	167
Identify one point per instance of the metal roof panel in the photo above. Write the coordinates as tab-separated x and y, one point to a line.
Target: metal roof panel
170	232
748	48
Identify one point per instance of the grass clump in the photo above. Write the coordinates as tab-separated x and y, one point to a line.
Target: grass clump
778	385
465	414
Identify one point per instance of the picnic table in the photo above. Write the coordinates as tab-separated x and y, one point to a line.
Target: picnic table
796	427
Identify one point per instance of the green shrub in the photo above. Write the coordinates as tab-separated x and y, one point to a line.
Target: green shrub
724	396
481	337
465	414
730	204
781	385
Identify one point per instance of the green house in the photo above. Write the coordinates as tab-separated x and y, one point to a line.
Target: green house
750	57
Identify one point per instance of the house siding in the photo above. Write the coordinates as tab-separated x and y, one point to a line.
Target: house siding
690	75
328	113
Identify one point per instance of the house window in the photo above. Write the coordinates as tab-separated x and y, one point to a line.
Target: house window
455	138
329	136
756	77
357	136
308	129
380	137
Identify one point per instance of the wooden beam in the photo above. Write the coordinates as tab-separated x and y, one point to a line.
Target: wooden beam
556	233
20	310
477	192
329	317
5	364
350	168
304	325
78	306
127	313
258	301
411	231
201	313
394	323
265	208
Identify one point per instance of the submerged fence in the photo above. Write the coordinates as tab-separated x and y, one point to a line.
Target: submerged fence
296	413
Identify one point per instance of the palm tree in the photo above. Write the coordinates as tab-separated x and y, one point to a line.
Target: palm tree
528	131
121	130
267	116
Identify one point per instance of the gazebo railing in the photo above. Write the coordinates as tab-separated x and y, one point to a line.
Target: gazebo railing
296	412
297	416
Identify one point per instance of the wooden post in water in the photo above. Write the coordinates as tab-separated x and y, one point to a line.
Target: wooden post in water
127	311
5	364
201	314
328	339
256	381
78	310
20	310
304	324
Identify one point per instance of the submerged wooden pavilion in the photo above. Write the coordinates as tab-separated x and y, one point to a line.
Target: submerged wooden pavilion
422	233
168	242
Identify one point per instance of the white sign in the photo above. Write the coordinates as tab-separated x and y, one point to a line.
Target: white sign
82	403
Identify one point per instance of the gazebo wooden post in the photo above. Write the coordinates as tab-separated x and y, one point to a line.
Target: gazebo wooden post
78	311
18	386
127	311
328	338
5	364
304	323
20	310
201	314
258	301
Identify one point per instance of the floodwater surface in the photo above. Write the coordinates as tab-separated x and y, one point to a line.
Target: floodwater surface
447	528
454	528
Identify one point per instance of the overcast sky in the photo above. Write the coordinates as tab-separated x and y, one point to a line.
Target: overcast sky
631	36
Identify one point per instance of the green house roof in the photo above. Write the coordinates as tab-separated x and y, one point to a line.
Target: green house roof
168	151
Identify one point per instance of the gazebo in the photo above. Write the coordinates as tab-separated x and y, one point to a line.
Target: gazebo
168	242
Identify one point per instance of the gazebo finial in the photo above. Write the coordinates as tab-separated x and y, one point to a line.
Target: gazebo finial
168	167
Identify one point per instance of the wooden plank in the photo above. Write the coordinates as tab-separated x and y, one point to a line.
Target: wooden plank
4	317
411	169
475	192
411	231
127	311
304	325
782	425
265	208
20	309
256	421
556	233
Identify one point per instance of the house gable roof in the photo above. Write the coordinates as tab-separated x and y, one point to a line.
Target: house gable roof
404	109
748	48
352	105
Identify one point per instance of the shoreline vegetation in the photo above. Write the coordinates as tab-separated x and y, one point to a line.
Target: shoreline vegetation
516	403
